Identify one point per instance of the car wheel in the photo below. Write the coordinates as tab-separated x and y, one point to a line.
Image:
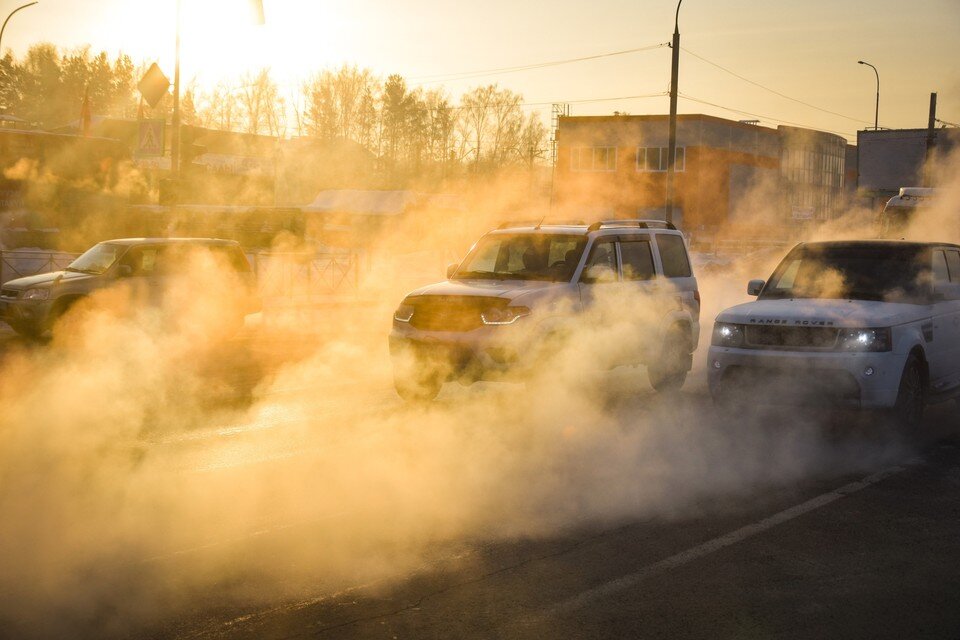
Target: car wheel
422	389
911	396
30	332
669	371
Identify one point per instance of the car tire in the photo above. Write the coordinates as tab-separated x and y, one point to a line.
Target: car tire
907	413
60	309
669	371
423	389
28	332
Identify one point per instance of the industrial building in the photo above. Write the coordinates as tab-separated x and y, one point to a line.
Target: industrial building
728	173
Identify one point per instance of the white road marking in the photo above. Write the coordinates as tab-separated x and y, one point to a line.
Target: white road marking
685	557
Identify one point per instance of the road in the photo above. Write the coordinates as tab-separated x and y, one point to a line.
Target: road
873	556
644	517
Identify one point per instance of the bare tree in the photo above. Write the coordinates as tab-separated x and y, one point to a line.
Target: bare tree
441	119
260	102
342	104
220	108
533	139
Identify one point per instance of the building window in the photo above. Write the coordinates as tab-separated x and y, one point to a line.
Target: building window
655	159
593	159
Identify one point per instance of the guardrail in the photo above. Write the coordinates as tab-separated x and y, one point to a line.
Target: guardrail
741	246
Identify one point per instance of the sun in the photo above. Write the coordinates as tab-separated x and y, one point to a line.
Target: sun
222	40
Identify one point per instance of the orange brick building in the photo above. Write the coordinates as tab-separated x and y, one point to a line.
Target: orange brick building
727	173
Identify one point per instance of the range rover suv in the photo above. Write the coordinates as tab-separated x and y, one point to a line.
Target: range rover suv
863	324
32	305
521	290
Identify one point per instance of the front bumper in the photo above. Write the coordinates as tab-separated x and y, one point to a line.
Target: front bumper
25	316
486	353
814	378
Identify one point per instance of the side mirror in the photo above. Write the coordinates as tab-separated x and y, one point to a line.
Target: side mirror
452	269
125	271
599	273
754	287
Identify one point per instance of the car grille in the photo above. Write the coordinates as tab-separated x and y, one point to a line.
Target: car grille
450	313
796	386
9	294
791	337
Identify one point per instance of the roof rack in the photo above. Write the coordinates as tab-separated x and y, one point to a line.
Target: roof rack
539	223
641	224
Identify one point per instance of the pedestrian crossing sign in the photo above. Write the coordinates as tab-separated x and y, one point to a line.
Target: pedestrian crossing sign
150	138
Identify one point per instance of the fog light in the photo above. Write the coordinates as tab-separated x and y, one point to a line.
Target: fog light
716	364
868	371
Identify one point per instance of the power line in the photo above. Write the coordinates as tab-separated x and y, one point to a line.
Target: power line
466	75
763	117
773	91
542	104
586	100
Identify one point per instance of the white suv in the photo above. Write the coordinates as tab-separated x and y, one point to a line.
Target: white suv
522	286
865	324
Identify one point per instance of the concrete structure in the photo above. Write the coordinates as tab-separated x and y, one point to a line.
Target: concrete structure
728	173
893	158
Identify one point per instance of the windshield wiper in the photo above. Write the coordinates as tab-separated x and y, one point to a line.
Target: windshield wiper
487	275
862	294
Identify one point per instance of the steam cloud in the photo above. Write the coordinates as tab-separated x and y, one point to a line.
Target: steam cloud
132	482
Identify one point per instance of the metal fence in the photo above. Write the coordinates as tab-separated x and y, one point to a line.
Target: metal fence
300	275
26	262
279	274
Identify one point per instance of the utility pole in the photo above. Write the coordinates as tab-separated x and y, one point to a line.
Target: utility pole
931	140
672	144
559	110
175	134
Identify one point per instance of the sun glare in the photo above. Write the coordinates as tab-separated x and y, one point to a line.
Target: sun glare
222	40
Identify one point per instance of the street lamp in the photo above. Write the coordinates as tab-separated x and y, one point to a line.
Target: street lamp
29	4
876	113
672	144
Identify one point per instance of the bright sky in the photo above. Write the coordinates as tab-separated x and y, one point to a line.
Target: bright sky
805	49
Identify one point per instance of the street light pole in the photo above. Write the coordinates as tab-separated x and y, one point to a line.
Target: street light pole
29	4
175	134
876	112
672	144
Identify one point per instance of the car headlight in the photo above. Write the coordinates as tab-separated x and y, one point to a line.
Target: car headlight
865	340
404	312
505	315
727	334
36	294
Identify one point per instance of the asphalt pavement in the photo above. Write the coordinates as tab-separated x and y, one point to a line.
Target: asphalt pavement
874	556
867	551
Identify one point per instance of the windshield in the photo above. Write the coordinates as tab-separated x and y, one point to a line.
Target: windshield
97	259
894	221
853	272
523	256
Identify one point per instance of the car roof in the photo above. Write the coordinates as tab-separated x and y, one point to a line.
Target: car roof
569	229
201	241
841	244
581	228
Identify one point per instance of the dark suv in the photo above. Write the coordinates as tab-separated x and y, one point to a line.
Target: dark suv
32	305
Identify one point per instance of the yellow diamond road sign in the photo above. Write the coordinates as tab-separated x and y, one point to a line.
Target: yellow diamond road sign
150	138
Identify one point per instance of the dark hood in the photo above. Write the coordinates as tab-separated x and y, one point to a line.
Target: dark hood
45	279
